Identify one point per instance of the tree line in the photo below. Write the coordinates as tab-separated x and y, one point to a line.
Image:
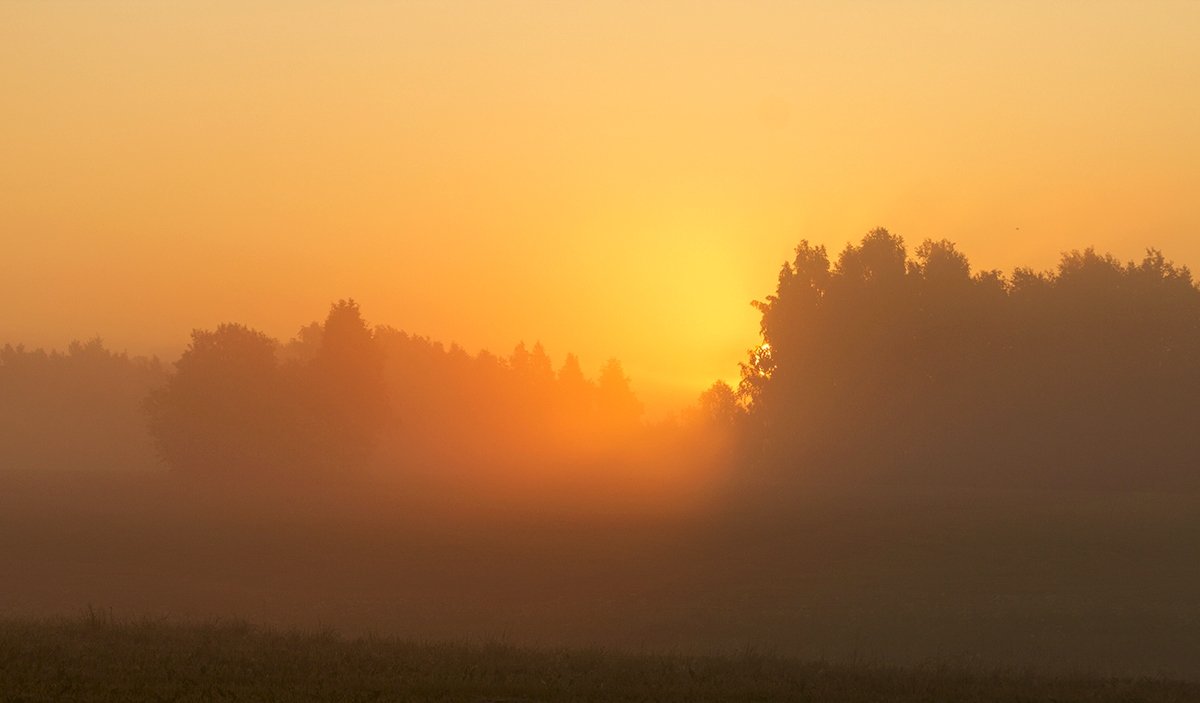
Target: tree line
880	365
339	397
81	408
888	366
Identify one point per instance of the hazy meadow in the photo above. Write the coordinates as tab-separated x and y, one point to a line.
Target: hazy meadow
1060	581
528	351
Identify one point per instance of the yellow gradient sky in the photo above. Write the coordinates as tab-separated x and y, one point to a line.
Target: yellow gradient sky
611	178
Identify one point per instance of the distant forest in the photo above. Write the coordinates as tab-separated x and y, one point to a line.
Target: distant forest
876	367
336	398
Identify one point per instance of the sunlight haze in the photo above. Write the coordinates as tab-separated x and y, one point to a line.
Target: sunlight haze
611	179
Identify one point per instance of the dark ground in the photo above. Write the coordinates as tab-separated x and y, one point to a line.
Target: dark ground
1101	583
91	659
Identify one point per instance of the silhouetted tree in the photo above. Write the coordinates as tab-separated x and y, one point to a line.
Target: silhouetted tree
618	406
232	407
346	396
719	406
576	401
884	366
228	408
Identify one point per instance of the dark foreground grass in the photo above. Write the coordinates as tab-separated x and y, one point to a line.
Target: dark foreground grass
94	659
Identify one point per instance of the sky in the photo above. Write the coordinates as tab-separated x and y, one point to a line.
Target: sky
615	179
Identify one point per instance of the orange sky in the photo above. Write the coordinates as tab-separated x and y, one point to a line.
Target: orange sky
614	179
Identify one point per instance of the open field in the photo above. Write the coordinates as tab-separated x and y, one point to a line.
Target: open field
94	659
1103	583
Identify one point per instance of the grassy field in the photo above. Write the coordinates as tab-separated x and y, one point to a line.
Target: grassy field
1101	583
96	659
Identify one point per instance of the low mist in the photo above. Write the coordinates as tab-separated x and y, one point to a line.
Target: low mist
921	462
